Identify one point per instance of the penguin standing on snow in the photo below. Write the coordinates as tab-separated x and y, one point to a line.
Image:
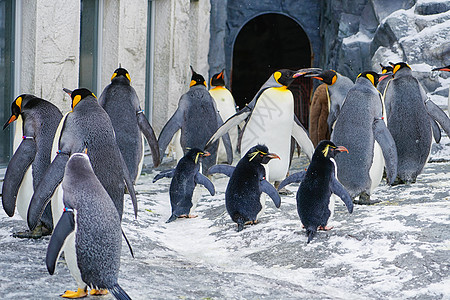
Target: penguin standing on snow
120	101
88	232
227	108
247	182
184	179
37	120
270	120
198	119
447	69
410	121
318	182
337	88
86	126
361	127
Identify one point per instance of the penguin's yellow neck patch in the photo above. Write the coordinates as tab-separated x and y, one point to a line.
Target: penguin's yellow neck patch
277	76
75	101
281	88
128	76
371	78
384	71
218	88
333	80
19	102
396	68
113	76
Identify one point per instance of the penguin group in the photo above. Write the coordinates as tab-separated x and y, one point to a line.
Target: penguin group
69	173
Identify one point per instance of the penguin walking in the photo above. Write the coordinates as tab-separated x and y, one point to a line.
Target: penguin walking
86	126
361	127
410	121
197	118
447	69
185	177
120	101
227	108
243	198
318	183
337	87
270	120
88	232
37	120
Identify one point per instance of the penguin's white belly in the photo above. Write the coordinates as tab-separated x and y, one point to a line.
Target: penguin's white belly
70	256
377	168
262	199
25	193
141	162
271	124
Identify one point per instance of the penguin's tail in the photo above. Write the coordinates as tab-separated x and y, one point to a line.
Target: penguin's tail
119	293
172	218
310	232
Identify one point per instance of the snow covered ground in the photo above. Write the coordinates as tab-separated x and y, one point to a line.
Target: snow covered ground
398	249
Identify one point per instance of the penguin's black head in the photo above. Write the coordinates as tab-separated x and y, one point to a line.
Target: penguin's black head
386	69
328	149
398	66
446	68
260	154
284	76
78	95
196	154
121	72
16	109
329	77
372	76
218	79
196	79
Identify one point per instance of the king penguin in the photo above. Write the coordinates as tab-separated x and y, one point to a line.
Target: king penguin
247	182
361	128
227	108
318	182
185	177
386	76
120	101
270	120
88	232
86	126
197	118
337	87
410	121
447	69
37	120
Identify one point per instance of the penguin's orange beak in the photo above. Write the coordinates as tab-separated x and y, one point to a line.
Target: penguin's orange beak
341	149
320	78
272	156
206	153
382	77
442	69
11	119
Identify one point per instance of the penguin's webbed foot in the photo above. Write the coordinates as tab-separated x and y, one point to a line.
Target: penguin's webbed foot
37	233
364	199
254	222
101	292
80	293
188	216
325	228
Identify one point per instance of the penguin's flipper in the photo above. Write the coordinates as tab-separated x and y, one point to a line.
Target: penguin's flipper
296	177
17	167
129	184
267	188
167	173
387	144
224	169
438	115
301	136
171	127
199	178
436	130
45	189
65	226
232	121
149	134
338	189
119	293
